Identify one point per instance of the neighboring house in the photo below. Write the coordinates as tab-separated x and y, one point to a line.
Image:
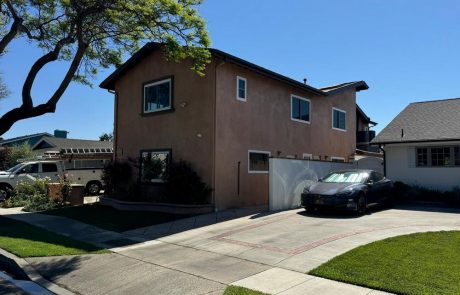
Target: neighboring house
363	133
422	144
28	139
75	147
228	122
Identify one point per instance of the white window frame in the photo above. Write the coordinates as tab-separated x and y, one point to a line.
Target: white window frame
306	156
249	161
238	78
169	80
309	109
338	158
332	119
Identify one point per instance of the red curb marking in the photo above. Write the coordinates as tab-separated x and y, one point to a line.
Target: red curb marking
307	247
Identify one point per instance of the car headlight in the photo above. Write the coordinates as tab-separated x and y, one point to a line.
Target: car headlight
346	192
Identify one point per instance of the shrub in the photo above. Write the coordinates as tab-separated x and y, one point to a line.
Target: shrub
33	196
404	192
117	177
183	185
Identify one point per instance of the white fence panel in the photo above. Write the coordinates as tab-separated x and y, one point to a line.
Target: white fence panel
288	177
372	163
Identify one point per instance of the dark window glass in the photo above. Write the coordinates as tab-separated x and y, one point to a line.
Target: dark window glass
457	155
300	109
258	162
157	96
376	177
49	167
241	88
440	156
338	119
154	165
28	169
422	157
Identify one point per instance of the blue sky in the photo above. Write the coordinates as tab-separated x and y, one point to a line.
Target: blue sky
405	50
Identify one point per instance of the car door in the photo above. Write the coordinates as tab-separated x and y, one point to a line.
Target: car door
50	170
28	173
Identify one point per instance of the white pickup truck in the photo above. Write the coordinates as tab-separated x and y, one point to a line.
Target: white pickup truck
85	172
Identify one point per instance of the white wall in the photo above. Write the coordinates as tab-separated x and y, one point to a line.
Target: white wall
401	166
288	177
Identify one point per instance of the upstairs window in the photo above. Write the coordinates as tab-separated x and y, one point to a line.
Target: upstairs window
241	88
339	119
300	109
157	96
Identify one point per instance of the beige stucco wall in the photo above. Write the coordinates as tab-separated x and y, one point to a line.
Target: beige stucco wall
177	130
264	123
228	127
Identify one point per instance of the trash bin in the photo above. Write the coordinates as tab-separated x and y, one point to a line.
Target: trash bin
77	193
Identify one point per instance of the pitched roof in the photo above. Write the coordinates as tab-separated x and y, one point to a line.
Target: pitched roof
358	85
437	120
24	137
68	143
364	116
109	82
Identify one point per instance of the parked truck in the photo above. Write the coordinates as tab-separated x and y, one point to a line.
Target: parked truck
86	172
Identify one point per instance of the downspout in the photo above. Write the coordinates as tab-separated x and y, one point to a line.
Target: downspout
215	136
115	123
384	160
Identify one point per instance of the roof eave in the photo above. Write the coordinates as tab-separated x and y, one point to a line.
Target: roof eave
358	86
253	67
414	141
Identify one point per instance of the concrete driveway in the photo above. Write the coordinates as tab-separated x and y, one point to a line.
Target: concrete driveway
191	257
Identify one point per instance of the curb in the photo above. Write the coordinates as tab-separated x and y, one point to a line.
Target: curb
34	277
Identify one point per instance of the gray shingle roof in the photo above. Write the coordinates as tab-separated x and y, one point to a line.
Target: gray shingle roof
68	143
424	121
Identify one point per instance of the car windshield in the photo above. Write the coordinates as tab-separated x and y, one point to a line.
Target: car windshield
347	177
14	168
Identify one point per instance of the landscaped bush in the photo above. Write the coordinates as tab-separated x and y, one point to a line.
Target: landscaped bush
183	185
404	192
117	177
33	196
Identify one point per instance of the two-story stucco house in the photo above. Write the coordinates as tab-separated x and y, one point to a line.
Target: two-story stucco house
228	122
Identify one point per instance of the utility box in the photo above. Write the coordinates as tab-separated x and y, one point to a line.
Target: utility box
77	193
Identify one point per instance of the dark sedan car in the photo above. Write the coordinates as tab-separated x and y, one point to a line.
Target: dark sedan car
354	190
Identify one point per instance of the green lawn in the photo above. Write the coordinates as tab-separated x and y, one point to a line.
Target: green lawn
422	263
234	290
25	240
111	219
